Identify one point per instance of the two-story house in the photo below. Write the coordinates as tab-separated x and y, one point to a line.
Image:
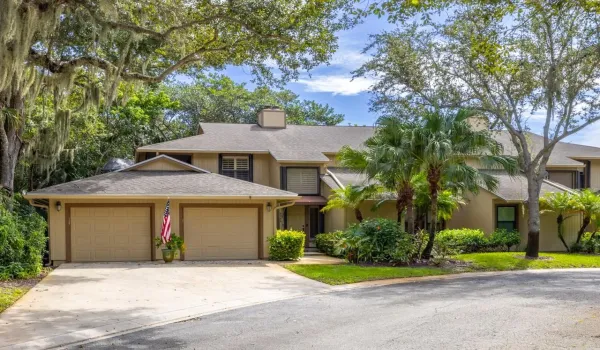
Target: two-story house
233	185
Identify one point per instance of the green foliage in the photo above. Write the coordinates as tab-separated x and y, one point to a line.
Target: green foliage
505	238
564	204
376	241
286	245
326	242
590	243
463	240
350	197
22	239
216	98
174	243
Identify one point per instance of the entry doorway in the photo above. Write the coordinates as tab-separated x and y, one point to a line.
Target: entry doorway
314	224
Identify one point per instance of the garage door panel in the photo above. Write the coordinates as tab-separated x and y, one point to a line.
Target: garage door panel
110	234
221	233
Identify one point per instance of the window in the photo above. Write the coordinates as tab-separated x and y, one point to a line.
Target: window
506	217
238	167
304	181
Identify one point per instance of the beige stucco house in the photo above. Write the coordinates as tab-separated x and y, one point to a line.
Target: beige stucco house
232	185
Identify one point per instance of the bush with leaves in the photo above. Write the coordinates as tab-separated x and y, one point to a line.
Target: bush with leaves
376	241
286	245
463	240
505	239
22	239
326	242
589	243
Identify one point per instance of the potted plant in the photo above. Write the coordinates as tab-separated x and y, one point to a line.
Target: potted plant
171	246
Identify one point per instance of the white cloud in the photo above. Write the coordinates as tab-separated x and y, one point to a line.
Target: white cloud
348	58
337	84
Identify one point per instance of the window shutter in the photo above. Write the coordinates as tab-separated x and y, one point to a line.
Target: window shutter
303	180
236	166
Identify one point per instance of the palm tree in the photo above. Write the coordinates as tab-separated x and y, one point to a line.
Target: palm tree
561	203
441	144
388	161
350	197
588	203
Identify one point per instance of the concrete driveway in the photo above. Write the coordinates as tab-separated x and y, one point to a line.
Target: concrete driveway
517	310
83	301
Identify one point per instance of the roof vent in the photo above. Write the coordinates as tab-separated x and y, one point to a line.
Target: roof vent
272	117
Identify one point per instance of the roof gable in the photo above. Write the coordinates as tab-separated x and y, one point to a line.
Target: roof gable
164	163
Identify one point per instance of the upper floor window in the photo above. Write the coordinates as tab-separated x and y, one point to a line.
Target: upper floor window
238	167
186	158
304	181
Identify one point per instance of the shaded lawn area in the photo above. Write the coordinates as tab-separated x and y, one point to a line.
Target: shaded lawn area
350	273
9	295
344	274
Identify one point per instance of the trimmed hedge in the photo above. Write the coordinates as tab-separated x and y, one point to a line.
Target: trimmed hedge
22	239
286	245
463	240
326	242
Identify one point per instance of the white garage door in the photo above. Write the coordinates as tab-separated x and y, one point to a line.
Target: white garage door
220	233
110	234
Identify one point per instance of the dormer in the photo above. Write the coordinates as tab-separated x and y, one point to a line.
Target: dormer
271	117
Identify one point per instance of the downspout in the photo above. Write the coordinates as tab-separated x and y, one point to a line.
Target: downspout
335	179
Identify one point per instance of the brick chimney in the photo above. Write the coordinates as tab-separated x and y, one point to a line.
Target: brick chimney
272	117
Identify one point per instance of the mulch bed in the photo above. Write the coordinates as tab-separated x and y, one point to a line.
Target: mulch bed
26	282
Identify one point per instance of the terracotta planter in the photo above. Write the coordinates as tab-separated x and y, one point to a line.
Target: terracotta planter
168	255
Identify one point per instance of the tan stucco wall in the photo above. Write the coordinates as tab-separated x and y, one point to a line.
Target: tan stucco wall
387	211
261	171
477	213
206	161
595	174
57	221
296	217
162	165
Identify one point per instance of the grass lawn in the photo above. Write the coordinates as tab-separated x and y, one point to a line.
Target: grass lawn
348	273
8	296
515	261
344	274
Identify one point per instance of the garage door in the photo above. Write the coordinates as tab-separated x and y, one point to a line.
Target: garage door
110	234
221	233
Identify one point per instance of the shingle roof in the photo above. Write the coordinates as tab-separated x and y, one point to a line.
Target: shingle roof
308	143
115	164
295	142
510	188
193	183
514	188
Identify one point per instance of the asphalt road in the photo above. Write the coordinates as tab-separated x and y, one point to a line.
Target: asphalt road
541	310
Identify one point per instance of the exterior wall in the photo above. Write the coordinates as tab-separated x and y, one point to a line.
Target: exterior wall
477	213
332	160
162	165
595	174
272	119
387	211
206	161
335	219
296	217
261	171
275	173
57	220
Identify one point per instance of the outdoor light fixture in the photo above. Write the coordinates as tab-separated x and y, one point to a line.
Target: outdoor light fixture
58	206
269	207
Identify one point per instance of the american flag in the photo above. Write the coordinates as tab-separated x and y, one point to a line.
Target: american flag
165	233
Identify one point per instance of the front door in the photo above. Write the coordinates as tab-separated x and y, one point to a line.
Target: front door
313	224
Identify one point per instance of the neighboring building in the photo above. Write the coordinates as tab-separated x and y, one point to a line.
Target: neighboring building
232	185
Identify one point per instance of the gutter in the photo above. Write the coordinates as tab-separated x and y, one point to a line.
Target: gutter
335	179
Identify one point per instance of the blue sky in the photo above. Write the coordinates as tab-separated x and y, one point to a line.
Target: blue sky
333	84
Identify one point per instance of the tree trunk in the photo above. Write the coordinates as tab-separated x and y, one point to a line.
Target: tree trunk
410	218
533	221
584	225
560	222
433	177
10	144
358	215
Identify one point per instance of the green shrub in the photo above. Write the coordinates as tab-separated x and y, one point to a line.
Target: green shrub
590	243
326	242
22	239
375	240
463	240
286	245
505	238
